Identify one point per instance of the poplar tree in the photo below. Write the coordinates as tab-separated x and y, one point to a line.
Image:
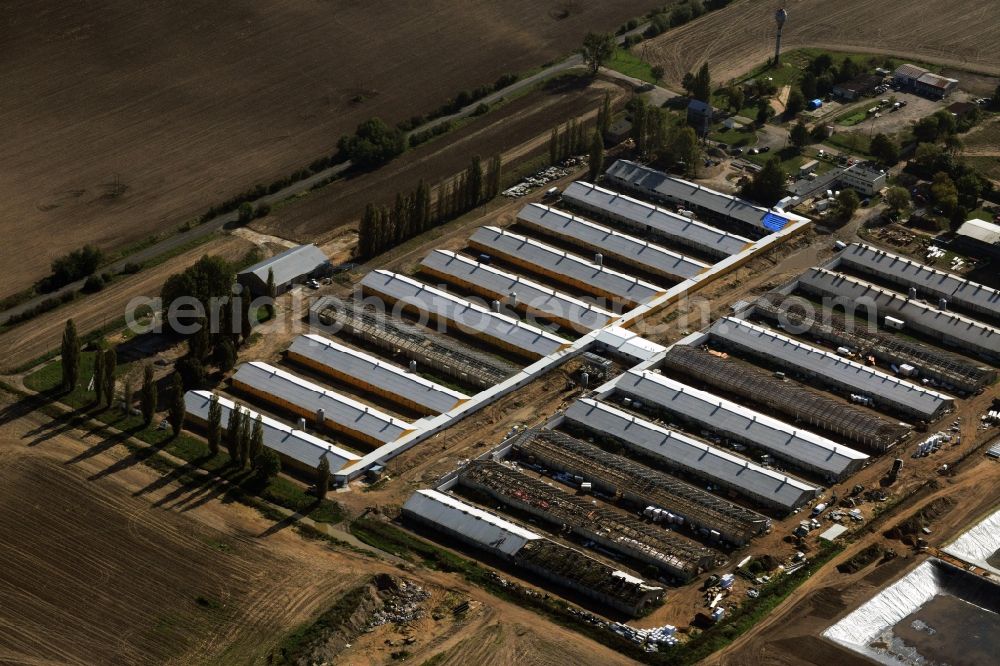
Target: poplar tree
272	293
148	395
70	357
214	426
257	438
233	433
596	156
110	366
99	384
176	410
322	476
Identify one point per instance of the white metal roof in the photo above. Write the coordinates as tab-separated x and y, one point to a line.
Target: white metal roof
800	447
979	544
972	335
981	230
562	265
629	343
702	460
504	330
883	387
344	361
531	294
338	410
289	264
482	527
677	228
926	279
629	249
284	439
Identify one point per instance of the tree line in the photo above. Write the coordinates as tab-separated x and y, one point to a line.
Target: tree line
412	213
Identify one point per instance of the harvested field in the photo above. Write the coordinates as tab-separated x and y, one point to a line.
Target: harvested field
736	39
132	118
29	340
515	130
105	562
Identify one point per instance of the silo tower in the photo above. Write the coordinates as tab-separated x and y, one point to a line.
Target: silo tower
780	17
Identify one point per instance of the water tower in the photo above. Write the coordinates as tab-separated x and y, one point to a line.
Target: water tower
779	16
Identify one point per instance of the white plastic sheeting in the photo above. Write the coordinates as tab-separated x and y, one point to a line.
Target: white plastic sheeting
979	543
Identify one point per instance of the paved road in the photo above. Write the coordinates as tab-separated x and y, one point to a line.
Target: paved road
215	224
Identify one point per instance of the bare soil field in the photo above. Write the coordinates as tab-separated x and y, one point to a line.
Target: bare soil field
734	40
32	339
186	104
106	561
504	131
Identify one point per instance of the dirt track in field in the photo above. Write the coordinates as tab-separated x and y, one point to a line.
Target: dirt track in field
960	34
186	104
31	339
326	211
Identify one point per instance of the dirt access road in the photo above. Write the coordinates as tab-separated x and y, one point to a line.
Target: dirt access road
790	635
128	119
736	39
32	339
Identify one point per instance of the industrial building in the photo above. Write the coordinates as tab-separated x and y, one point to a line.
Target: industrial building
641	486
298	449
954	373
798	402
949	328
627	249
291	267
315	404
906	75
680	452
503	538
929	282
798	447
589	276
448	357
374	375
843	374
935	86
616	530
514	291
867	180
653	221
978	238
498	329
704	202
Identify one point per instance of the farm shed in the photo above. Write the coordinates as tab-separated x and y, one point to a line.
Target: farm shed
935	86
702	200
373	375
467	523
686	454
514	291
906	76
842	373
293	266
640	485
328	409
979	238
298	449
564	267
635	252
946	327
498	329
587	576
654	221
799	448
928	281
610	527
565	566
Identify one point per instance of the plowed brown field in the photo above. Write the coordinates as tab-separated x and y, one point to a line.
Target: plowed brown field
961	34
187	103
